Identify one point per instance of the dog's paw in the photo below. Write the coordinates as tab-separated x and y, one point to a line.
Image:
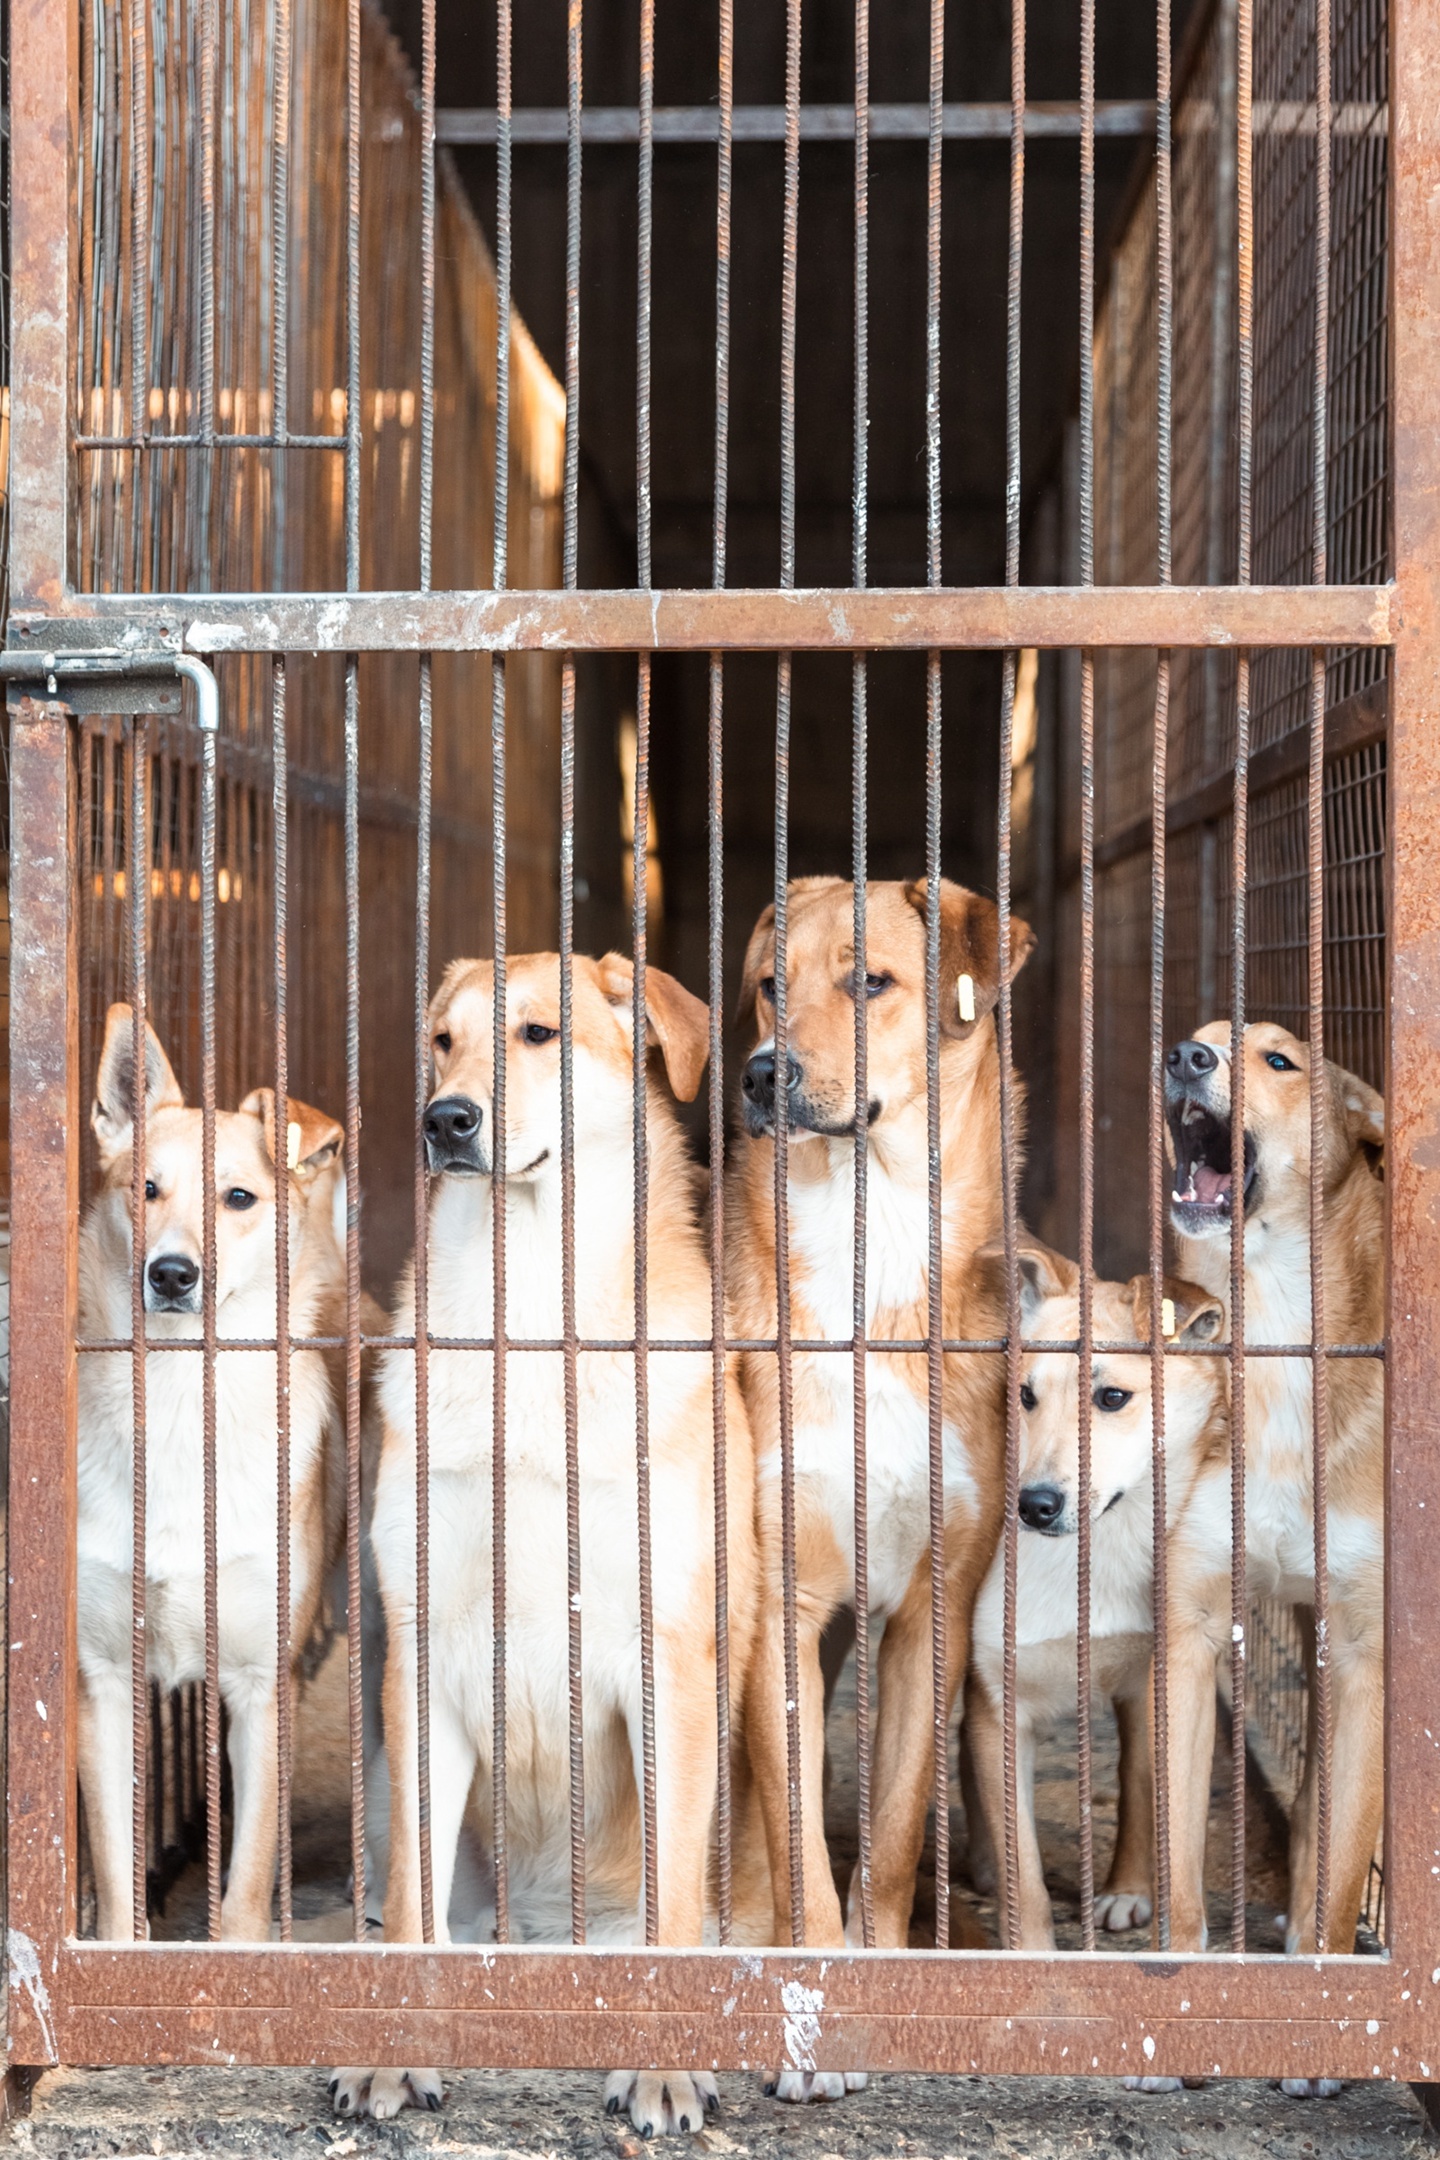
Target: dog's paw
1163	2084
660	2102
1310	2088
799	2086
1120	1910
383	2093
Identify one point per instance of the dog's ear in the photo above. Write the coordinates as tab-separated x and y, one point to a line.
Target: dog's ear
311	1139
1043	1274
1363	1109
113	1111
760	939
676	1021
1193	1316
970	953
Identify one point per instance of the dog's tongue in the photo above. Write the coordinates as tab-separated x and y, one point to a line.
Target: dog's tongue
1211	1186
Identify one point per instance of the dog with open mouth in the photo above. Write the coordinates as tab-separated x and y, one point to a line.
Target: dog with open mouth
1271	1188
1122	1427
817	1099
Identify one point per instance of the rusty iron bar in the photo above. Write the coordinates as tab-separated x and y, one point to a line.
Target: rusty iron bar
280	239
208	1287
715	837
353	1590
1009	1710
1084	1387
574	57
1245	350
284	1647
1321	1729
859	778
639	895
783	668
1159	789
423	886
687	1345
790	619
500	555
935	1284
139	1066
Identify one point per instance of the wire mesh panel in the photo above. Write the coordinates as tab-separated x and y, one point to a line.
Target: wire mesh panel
596	1502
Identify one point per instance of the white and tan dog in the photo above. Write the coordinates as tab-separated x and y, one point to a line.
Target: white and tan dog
246	1456
1274	1190
459	1137
1121	1560
819	1094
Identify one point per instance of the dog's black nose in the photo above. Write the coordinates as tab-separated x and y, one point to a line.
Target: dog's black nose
452	1123
1190	1061
1041	1506
758	1080
172	1275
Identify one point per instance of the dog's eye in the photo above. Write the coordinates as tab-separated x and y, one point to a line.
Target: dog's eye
1278	1062
767	988
533	1032
1027	1396
152	1190
238	1199
1112	1398
442	1041
874	984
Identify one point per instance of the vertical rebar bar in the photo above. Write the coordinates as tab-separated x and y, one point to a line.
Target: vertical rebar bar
139	996
935	1282
570	554
284	1647
859	875
1244	331
1159	788
1009	1855
1315	862
208	1418
500	554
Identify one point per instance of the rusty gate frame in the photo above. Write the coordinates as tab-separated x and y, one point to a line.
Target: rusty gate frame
995	2011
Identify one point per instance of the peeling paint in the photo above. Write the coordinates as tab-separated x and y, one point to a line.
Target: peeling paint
802	2007
24	1962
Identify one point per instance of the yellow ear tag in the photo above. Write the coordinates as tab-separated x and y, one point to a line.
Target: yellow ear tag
1167	1316
292	1146
965	997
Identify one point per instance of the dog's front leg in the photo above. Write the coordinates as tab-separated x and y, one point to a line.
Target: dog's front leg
904	1743
768	1735
107	1785
250	1699
1127	1900
985	1733
1357	1791
1199	1620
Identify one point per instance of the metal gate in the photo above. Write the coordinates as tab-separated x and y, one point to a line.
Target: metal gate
80	2001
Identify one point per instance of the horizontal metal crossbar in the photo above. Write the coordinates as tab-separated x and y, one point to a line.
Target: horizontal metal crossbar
818	123
682	620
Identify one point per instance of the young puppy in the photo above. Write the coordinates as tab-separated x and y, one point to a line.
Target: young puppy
460	1143
1273	1189
248	1166
819	1095
1121	1559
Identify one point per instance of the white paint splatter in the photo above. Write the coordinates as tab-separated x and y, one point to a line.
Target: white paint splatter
802	2008
24	1962
1148	2044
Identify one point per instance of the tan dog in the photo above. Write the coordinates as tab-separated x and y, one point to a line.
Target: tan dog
821	1098
459	1138
1121	1560
246	1450
1279	1508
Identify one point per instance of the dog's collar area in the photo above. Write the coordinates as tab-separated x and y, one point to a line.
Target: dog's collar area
1204	1187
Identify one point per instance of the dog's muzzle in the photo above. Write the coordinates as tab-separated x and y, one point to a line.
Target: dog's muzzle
757	1086
452	1129
1204	1187
172	1284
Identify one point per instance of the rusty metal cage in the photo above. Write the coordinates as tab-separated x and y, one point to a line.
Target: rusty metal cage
251	305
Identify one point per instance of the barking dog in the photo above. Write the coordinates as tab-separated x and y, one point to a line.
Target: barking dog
1272	1187
1121	1559
248	1165
819	1093
460	1142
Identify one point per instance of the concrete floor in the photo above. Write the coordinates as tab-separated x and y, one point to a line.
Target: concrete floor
224	2113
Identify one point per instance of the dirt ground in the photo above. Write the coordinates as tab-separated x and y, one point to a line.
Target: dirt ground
222	2113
